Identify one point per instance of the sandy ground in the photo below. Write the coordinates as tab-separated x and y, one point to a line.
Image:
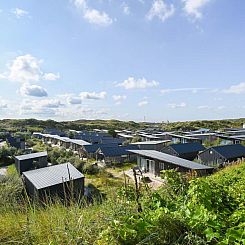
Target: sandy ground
155	183
3	171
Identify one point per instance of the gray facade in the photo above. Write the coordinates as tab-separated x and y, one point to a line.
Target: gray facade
31	161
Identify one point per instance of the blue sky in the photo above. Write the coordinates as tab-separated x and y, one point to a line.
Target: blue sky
129	60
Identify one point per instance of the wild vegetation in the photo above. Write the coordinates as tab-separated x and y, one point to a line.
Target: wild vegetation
31	125
187	210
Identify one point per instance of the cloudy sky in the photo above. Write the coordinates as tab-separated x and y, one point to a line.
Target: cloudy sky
156	60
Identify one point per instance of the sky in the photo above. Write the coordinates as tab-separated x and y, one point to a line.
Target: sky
141	60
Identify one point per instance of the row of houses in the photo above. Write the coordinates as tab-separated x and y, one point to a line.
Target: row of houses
107	153
227	136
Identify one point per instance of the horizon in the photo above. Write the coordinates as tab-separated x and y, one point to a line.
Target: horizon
152	61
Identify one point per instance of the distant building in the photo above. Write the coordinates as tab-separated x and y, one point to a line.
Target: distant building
208	137
89	151
219	155
62	180
31	161
16	142
154	162
176	138
115	154
187	151
156	145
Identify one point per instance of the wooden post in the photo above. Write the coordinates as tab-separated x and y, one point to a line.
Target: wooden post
137	194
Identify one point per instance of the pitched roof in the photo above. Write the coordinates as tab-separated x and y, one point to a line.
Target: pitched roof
151	142
53	175
187	147
230	151
79	142
171	159
117	150
31	156
94	147
183	136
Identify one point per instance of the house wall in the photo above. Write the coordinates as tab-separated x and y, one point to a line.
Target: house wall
211	158
156	147
155	167
29	164
74	187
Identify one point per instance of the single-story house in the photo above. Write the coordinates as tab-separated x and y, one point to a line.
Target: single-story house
176	138
31	161
62	180
219	155
210	137
156	145
76	144
188	151
154	162
227	140
89	151
116	154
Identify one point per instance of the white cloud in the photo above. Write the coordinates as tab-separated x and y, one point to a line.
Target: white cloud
27	69
160	10
132	83
19	12
33	90
193	7
51	76
119	98
221	107
91	15
94	16
193	90
125	8
93	95
43	107
174	105
202	107
3	104
236	89
72	100
50	103
143	103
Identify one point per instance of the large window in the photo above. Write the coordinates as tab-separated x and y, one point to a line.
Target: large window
161	166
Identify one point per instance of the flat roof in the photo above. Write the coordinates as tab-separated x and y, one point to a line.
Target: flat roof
125	135
79	142
152	142
31	156
53	175
183	136
171	159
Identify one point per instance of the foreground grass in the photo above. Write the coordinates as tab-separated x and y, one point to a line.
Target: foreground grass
208	210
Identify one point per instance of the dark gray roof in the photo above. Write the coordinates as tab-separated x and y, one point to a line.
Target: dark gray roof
31	156
117	150
53	175
94	147
230	151
151	142
171	159
187	147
